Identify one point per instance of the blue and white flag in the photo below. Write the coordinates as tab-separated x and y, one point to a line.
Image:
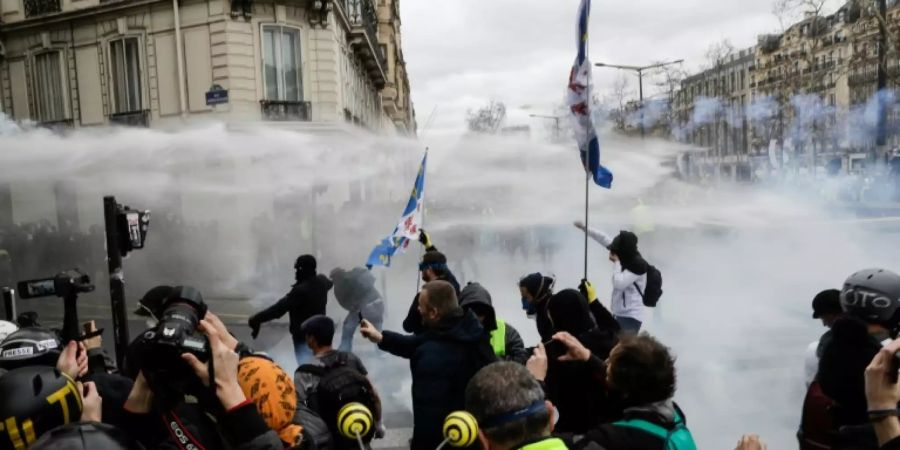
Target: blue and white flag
408	228
579	100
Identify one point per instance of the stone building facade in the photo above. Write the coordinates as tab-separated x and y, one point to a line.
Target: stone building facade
310	64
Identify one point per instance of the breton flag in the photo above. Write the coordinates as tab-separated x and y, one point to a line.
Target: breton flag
579	100
408	228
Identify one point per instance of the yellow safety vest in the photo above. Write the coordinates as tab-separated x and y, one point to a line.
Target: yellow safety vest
498	339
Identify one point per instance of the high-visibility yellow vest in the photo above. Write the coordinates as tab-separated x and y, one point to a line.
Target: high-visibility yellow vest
498	339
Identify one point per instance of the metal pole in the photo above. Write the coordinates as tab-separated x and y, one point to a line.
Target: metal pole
587	191
9	304
641	98
116	279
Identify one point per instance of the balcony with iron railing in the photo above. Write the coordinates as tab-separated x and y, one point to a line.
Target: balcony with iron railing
131	118
35	8
284	111
362	22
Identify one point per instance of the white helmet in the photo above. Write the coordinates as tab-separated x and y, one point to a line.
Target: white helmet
7	328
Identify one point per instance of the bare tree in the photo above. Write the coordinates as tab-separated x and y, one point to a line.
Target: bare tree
488	118
617	99
789	12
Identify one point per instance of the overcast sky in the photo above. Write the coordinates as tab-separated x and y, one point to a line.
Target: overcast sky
461	53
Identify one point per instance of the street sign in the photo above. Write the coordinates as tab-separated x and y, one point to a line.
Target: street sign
216	95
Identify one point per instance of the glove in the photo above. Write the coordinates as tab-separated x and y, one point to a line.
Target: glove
424	238
254	328
588	291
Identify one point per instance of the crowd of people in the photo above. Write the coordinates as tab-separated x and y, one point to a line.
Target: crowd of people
593	381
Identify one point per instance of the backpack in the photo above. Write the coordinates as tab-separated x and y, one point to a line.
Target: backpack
818	427
316	435
654	290
340	384
678	438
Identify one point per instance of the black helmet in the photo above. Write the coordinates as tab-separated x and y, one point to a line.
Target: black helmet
86	436
36	399
28	347
872	295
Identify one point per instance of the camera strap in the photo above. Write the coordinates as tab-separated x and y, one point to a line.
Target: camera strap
212	376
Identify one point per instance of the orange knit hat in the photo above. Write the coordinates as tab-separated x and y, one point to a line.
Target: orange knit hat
274	393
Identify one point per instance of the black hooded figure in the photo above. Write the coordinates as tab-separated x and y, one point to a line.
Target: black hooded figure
575	389
505	340
307	298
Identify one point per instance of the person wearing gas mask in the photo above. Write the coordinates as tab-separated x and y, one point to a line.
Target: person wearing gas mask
307	298
433	267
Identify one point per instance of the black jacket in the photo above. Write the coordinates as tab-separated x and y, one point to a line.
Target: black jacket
477	299
306	299
546	329
577	390
617	437
842	369
413	321
241	428
442	361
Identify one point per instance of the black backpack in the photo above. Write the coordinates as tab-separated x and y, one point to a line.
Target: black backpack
340	384
654	290
316	434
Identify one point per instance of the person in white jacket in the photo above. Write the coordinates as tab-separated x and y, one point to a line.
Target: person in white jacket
629	279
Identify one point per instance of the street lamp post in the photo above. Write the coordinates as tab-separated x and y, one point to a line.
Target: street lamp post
556	124
640	72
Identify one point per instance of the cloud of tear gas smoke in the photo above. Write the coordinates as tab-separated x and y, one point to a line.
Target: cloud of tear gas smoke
653	112
232	209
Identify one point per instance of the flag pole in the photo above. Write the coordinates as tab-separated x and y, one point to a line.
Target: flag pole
587	184
418	278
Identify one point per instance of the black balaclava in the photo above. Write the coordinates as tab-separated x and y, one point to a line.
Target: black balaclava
305	268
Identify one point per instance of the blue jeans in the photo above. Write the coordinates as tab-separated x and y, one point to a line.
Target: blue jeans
302	351
373	312
629	325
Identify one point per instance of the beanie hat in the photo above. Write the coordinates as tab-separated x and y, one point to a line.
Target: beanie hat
273	391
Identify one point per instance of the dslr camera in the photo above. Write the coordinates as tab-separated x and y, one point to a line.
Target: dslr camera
65	284
157	352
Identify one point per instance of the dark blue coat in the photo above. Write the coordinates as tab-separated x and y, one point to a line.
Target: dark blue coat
442	361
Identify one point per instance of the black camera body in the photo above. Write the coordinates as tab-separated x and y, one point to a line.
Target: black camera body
65	284
157	352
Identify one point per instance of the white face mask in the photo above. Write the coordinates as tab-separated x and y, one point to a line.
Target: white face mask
555	416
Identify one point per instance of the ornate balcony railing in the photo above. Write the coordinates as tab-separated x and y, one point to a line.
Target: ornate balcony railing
40	7
278	110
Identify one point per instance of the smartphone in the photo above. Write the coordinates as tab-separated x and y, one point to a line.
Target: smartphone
555	349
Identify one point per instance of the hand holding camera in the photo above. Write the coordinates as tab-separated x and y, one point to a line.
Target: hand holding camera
225	364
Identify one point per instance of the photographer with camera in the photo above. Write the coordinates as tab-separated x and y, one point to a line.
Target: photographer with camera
189	355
